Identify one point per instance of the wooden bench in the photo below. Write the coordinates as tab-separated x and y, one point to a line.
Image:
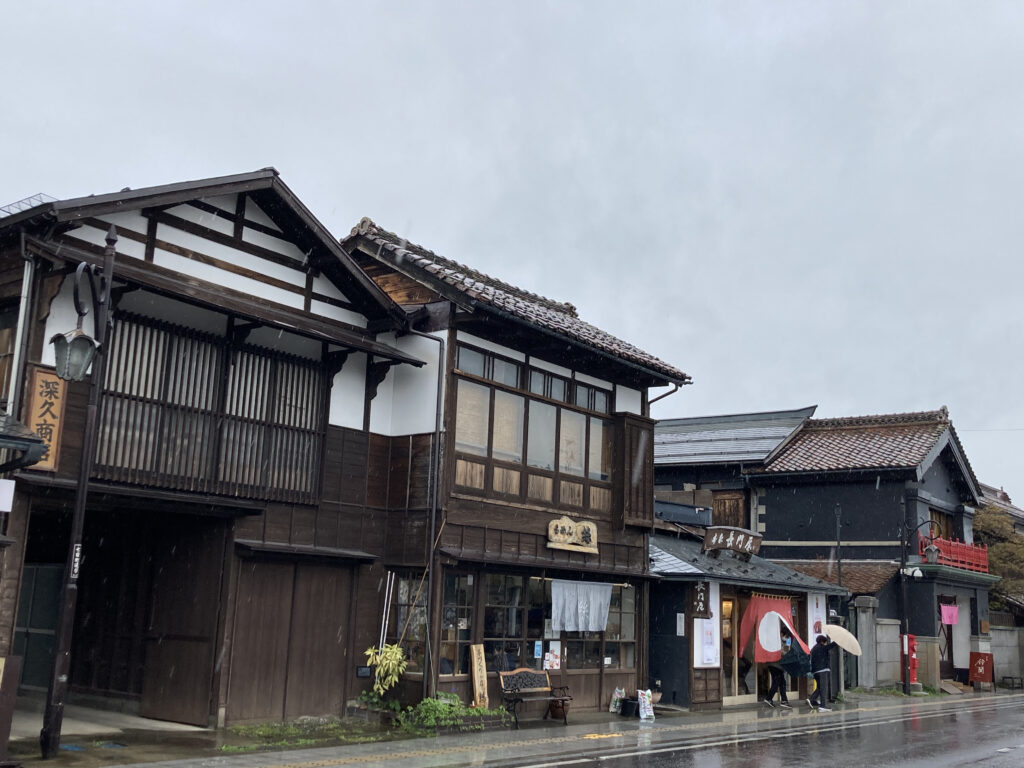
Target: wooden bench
524	684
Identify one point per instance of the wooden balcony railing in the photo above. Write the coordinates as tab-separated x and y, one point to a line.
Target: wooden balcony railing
957	554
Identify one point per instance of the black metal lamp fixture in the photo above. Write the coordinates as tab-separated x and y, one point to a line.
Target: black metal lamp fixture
75	353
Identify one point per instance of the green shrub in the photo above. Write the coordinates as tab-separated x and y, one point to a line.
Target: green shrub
447	712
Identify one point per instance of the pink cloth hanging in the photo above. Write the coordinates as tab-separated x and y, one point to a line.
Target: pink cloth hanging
950	613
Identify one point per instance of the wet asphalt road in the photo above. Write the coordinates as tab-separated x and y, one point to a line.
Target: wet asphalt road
970	733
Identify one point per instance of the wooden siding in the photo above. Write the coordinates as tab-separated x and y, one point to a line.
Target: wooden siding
634	469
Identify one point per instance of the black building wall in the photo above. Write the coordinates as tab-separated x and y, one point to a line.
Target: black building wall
670	653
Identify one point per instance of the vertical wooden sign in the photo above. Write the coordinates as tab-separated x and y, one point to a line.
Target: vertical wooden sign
479	667
46	414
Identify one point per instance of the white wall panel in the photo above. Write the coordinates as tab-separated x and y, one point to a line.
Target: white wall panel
218	276
225	202
512	354
204	219
293	275
414	393
276	244
628	400
255	214
593	380
337	313
282	341
63	318
324	286
544	365
347	394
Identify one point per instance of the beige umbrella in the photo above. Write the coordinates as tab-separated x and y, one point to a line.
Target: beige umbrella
844	638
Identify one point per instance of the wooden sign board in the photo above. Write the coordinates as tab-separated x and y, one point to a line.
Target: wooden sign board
573	535
981	668
478	666
46	414
700	600
735	539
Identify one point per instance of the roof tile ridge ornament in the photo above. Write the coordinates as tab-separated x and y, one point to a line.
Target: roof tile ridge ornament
467	275
939	417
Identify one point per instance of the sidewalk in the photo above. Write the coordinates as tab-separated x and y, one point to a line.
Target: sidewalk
94	738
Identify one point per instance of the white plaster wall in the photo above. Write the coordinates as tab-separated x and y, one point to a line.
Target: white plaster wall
382	406
414	390
280	340
544	365
476	341
628	400
163	308
593	380
962	632
203	218
121	221
254	213
64	318
346	406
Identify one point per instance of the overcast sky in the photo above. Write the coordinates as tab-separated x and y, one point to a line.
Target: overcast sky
795	203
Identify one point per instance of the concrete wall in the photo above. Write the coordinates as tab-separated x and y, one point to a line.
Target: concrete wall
1007	656
887	652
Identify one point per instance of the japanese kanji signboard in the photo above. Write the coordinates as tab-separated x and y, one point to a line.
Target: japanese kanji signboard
736	539
574	535
46	413
700	600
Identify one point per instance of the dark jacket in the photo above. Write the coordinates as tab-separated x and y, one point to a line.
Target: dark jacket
819	657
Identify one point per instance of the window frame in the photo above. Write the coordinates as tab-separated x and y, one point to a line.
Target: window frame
492	476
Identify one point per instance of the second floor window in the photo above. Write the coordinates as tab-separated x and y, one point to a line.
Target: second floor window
527	446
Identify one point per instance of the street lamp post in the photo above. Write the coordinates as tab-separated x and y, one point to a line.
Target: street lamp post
906	532
75	351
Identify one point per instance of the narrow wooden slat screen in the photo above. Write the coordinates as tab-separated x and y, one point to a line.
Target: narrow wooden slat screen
186	410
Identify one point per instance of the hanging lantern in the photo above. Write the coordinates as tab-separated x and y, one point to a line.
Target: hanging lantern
74	351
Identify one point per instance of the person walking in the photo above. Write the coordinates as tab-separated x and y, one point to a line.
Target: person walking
778	676
821	671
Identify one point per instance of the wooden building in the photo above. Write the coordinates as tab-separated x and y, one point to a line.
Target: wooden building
239	502
834	499
544	488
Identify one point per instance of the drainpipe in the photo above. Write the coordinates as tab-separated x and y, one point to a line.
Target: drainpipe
21	334
435	475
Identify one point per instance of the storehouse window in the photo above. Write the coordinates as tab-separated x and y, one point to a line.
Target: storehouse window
408	622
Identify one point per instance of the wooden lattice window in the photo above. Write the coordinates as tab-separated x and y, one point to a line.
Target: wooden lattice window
190	411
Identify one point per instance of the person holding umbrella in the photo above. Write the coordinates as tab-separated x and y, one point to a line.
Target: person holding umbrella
821	671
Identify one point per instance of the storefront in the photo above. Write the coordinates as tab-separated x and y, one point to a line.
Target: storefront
706	610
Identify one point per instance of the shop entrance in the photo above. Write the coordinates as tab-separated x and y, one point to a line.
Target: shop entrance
739	672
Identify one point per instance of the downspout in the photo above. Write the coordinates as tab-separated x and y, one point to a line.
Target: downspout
435	476
675	388
21	334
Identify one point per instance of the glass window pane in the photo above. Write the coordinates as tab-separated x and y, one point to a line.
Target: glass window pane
471	361
601	401
508	427
506	373
540	450
537	382
582	391
600	464
471	418
571	442
557	389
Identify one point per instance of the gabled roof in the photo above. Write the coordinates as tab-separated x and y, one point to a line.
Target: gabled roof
897	441
471	289
683	559
265	187
736	438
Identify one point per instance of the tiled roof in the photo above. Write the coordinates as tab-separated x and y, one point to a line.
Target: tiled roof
683	557
748	437
891	441
555	316
865	577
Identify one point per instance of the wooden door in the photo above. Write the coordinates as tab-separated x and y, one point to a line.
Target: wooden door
289	642
728	508
946	666
177	682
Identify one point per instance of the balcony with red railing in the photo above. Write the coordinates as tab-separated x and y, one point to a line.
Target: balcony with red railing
956	554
